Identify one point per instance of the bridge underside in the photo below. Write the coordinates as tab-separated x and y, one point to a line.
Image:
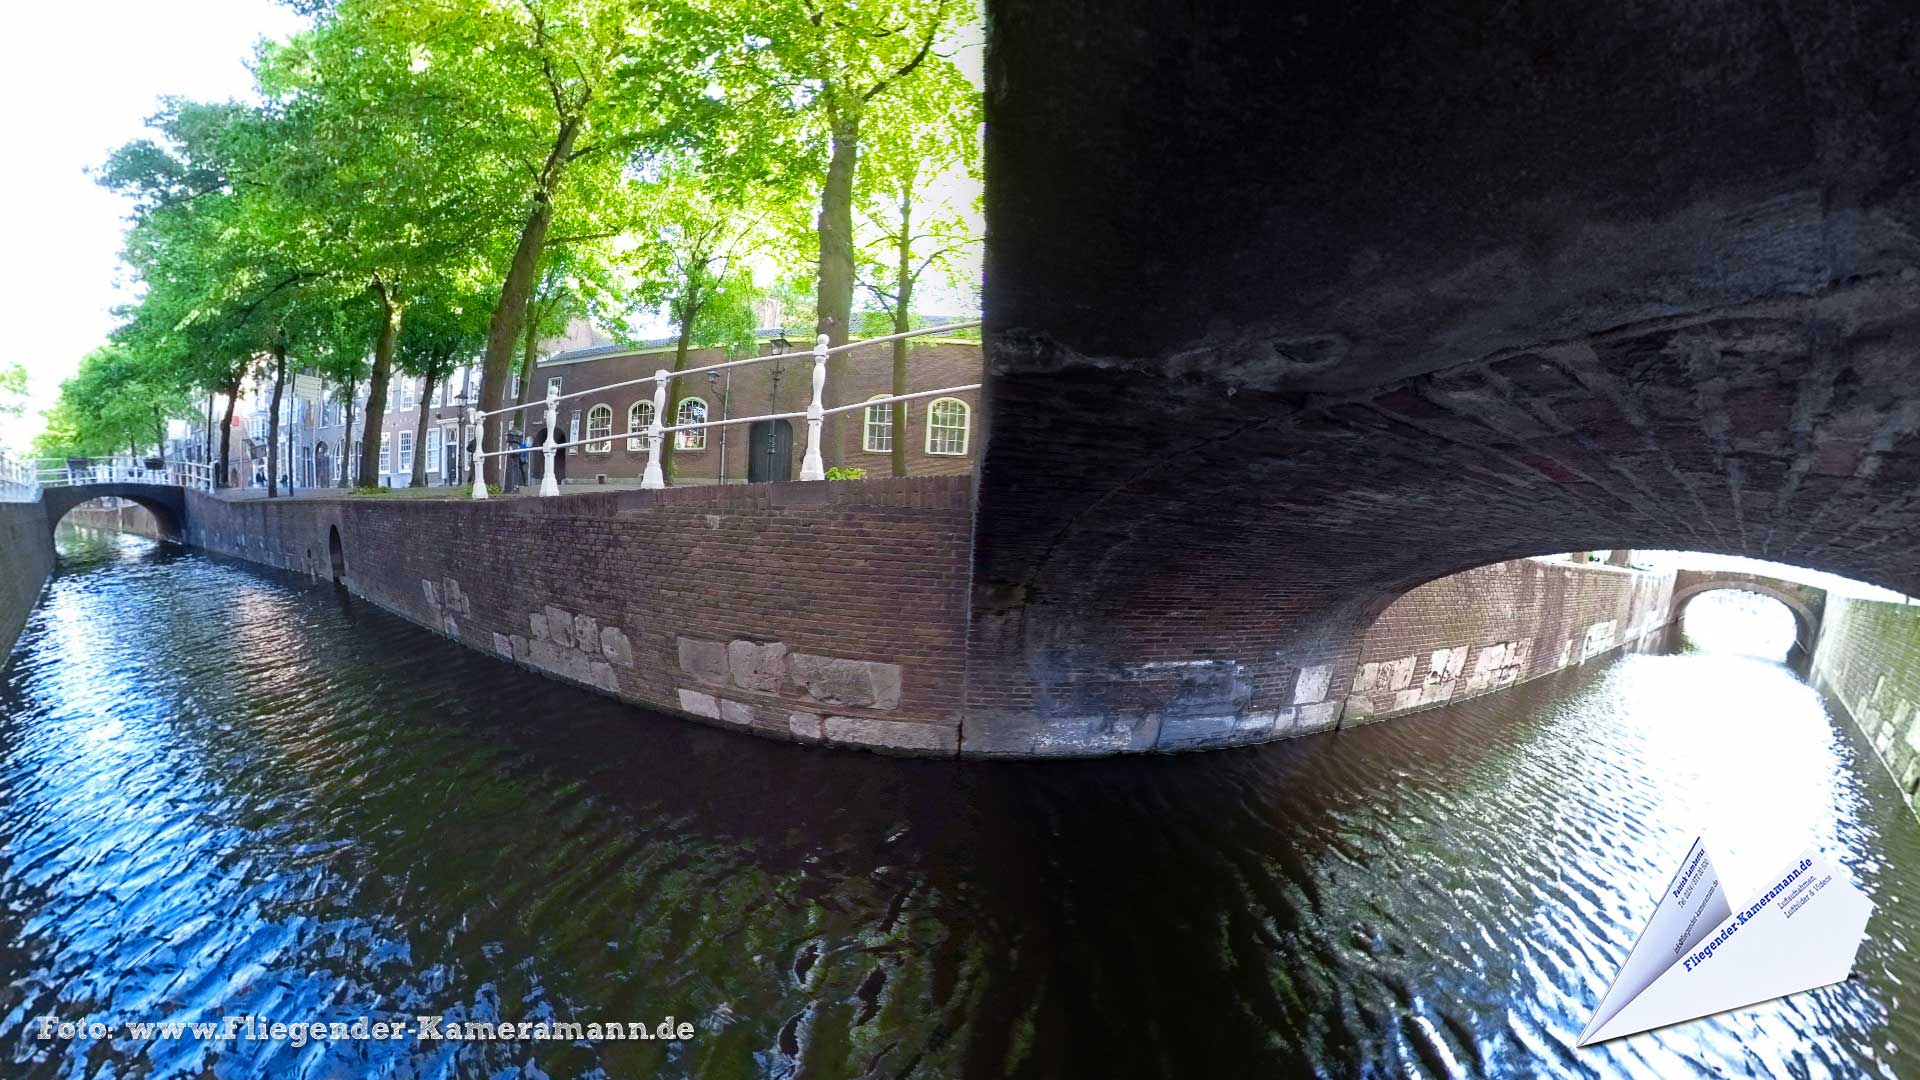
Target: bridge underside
1293	309
167	504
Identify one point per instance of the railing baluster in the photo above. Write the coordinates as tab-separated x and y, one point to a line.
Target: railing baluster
810	466
654	478
549	483
473	455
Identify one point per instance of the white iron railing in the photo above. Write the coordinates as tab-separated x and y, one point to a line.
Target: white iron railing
811	466
19	479
60	472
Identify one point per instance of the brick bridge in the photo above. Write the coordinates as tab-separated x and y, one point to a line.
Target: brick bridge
1808	603
1294	307
167	503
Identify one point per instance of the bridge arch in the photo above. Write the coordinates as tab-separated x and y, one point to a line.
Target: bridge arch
1807	603
167	504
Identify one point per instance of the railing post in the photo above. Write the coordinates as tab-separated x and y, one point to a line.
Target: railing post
654	479
810	466
479	445
549	483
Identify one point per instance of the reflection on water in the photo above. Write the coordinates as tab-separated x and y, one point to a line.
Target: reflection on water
222	791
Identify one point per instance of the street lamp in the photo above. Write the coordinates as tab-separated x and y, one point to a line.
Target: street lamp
780	346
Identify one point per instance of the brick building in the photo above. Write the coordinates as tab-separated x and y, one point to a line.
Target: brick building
941	431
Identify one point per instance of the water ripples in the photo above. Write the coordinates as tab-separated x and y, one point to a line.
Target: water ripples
223	791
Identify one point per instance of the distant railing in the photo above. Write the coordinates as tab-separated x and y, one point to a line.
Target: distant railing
811	466
19	479
68	472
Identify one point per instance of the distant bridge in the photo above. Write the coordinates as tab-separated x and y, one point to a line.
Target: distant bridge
1808	603
61	487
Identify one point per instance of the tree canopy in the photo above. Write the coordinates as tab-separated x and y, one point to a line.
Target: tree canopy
426	183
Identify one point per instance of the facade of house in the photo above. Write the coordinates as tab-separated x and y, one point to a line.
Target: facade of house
940	432
604	427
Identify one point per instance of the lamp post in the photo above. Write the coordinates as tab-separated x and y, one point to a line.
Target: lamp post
780	346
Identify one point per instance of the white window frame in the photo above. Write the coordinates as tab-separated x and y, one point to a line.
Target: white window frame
409	393
639	418
697	438
600	426
553	387
966	426
386	452
868	423
433	451
406	453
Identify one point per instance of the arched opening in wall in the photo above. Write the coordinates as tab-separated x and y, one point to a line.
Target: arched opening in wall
336	555
1739	621
129	515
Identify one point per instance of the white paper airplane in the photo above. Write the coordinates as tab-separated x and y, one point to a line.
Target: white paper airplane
1698	957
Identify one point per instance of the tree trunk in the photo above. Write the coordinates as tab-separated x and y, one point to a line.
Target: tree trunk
834	298
206	447
273	419
160	436
226	435
346	442
377	386
690	311
529	360
509	315
902	322
419	478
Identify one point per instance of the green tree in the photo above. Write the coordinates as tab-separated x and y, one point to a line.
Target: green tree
692	258
840	57
13	389
920	194
445	329
118	400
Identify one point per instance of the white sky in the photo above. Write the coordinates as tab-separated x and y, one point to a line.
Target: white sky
66	111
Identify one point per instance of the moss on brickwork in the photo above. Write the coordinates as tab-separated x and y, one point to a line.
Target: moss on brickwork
1868	662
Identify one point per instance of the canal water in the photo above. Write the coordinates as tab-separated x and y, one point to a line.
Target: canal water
225	791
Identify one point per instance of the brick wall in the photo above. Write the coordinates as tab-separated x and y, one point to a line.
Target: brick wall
1868	663
1488	628
129	518
26	558
823	612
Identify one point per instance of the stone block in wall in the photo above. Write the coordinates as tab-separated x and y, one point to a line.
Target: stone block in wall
834	681
586	634
615	646
1359	709
605	678
560	626
1257	726
1187	732
699	704
521	649
1311	684
757	666
892	734
737	713
1324	716
807	727
537	626
704	660
503	645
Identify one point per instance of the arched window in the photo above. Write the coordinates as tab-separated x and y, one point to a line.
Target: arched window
639	418
876	435
947	427
599	426
693	410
